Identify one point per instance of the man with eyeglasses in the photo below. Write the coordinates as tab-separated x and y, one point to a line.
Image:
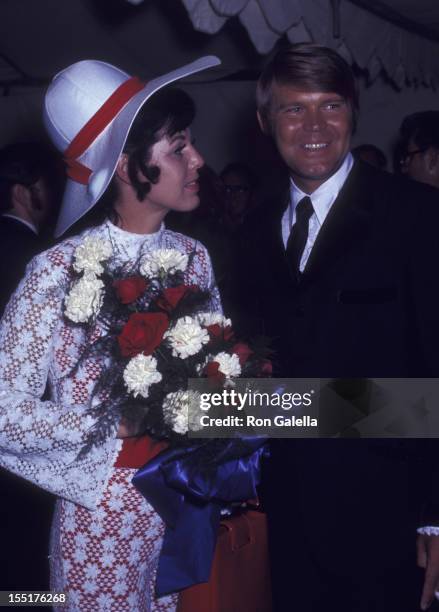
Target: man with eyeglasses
238	182
419	159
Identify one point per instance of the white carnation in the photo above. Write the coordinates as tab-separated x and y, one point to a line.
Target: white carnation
213	318
228	364
90	253
180	411
187	337
163	261
84	299
140	373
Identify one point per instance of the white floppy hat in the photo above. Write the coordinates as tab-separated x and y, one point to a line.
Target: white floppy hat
88	111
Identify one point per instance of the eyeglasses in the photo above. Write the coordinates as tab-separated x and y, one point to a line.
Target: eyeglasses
232	189
406	158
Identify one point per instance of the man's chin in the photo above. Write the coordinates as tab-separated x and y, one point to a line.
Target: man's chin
316	173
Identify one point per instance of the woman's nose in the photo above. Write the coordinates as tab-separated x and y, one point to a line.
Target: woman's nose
196	161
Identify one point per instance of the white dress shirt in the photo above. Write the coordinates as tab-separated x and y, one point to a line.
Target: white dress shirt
322	199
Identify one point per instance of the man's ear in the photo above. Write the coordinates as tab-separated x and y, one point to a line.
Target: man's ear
432	156
21	197
263	124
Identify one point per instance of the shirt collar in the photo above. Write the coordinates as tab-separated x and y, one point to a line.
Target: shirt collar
323	197
28	224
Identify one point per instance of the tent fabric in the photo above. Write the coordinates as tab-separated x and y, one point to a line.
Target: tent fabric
366	39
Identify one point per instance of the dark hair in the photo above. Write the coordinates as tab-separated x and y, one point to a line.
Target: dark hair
422	128
242	169
367	151
311	67
23	164
167	112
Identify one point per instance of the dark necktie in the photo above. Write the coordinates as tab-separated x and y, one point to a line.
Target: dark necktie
299	235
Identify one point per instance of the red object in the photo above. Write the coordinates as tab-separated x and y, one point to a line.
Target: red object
142	333
215	377
95	126
135	452
240	577
243	351
218	332
171	296
129	289
266	368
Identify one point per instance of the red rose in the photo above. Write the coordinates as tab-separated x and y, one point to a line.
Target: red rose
217	332
129	289
216	378
142	333
172	296
266	368
243	351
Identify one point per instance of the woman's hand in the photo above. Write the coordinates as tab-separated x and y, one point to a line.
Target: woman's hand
126	429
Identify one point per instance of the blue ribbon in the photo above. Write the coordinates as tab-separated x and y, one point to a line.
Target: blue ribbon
188	487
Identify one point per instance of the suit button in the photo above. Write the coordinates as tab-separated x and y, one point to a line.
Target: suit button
299	312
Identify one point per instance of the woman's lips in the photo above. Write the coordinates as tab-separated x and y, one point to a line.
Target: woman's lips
192	186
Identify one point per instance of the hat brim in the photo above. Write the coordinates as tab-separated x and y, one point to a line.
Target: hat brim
103	154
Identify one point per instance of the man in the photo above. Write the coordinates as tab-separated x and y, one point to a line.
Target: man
28	181
420	147
239	190
343	271
28	184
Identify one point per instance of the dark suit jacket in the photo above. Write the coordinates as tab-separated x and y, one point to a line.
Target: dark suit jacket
18	244
367	305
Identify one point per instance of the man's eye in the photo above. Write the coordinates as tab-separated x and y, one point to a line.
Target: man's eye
293	109
179	150
334	105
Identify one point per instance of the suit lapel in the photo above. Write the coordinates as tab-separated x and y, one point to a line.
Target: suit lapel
347	223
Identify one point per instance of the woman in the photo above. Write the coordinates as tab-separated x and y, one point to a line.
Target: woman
120	138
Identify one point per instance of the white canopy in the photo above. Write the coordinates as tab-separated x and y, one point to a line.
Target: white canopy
363	37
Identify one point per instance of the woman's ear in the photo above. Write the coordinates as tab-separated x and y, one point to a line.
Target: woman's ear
122	169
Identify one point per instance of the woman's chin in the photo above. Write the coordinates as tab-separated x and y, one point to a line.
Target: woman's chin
189	204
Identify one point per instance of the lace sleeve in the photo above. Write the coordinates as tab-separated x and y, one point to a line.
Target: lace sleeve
207	277
40	440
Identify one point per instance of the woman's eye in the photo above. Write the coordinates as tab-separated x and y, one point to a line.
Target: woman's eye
179	150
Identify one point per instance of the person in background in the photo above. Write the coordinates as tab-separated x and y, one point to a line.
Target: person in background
370	154
239	190
29	180
419	147
28	193
217	223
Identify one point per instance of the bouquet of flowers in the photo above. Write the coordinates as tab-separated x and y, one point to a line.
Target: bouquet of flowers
155	333
158	332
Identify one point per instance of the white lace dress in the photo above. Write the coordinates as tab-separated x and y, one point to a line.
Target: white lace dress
105	536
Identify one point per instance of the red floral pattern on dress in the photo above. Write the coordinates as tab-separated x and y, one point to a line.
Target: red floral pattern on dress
107	560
